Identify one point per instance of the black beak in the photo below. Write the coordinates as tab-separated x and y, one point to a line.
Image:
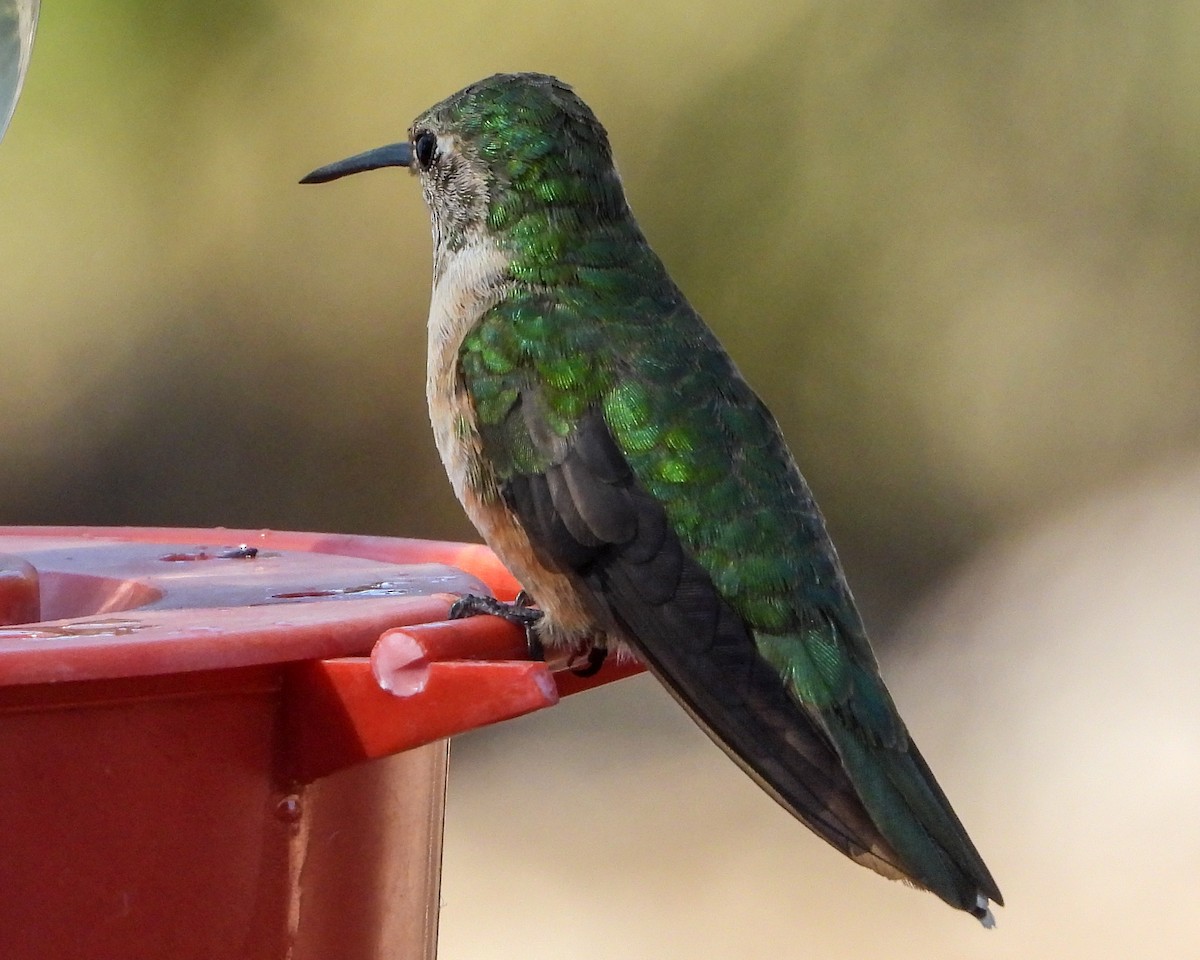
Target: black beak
393	155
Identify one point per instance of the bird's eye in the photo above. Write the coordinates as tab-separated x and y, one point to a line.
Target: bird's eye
425	147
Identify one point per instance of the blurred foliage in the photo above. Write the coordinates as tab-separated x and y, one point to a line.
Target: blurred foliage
953	244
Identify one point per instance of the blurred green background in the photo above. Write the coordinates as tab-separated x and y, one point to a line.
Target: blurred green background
953	244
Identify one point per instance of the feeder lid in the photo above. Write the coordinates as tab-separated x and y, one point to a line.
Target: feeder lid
100	603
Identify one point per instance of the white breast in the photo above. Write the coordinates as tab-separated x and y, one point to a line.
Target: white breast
468	282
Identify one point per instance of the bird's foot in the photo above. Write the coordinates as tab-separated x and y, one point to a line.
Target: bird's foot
524	613
589	664
521	612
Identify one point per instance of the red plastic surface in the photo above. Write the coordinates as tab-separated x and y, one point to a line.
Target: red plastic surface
179	713
118	603
422	683
18	591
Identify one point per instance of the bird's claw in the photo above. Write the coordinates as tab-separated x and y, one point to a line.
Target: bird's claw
593	661
524	614
521	612
470	605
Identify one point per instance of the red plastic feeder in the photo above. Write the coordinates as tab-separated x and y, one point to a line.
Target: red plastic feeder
183	716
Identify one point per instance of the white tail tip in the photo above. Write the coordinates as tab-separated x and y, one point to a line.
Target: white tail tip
983	912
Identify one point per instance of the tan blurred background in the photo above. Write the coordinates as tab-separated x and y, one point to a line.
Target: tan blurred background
953	244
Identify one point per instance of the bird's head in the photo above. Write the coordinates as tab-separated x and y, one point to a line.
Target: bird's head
516	156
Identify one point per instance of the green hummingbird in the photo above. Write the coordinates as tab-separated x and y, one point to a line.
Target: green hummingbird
611	454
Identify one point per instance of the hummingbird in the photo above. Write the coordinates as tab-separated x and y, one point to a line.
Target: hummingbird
607	449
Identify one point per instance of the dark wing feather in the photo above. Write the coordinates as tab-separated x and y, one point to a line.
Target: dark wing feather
642	465
586	513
